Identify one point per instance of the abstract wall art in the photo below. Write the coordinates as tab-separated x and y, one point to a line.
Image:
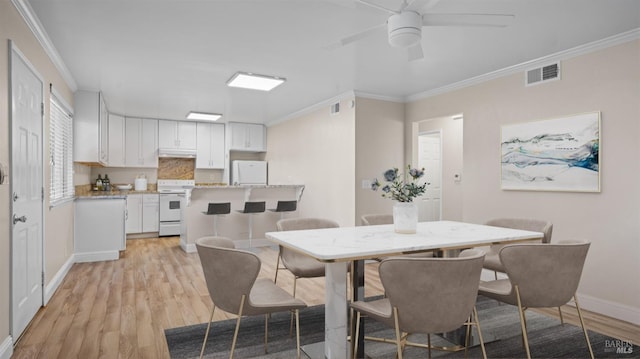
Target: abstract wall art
561	154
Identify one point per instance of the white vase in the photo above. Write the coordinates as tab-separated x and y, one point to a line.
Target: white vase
405	217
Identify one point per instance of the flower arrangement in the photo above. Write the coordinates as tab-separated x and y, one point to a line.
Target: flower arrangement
398	188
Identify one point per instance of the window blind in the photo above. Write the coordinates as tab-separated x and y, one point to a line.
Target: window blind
61	146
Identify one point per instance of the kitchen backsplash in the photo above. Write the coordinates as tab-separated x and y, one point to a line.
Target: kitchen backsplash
176	168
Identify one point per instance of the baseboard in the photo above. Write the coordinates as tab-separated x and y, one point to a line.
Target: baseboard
604	307
97	256
57	279
188	247
6	348
610	309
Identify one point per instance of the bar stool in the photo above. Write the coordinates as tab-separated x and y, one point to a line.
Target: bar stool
285	206
250	208
216	209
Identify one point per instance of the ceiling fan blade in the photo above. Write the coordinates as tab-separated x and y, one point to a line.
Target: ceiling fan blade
376	6
357	36
415	52
480	20
419	5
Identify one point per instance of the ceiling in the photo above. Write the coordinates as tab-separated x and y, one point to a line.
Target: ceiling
164	58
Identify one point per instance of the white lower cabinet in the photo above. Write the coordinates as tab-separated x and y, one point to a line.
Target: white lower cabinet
99	229
142	213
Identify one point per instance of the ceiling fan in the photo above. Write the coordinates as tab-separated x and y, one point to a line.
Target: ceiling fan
404	26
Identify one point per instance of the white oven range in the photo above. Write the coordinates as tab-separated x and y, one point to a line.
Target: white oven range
174	195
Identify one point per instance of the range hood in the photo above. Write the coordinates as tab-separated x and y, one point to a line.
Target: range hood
176	152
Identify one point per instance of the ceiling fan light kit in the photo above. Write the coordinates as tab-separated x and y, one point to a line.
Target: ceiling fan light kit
405	29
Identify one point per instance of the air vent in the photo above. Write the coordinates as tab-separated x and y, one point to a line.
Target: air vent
543	74
335	108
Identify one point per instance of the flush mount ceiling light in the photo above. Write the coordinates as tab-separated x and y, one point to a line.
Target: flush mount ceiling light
203	116
251	81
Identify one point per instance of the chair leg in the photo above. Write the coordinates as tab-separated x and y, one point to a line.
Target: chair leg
398	337
584	328
235	334
560	313
275	279
355	337
266	333
467	336
298	333
475	314
522	323
429	345
295	280
206	336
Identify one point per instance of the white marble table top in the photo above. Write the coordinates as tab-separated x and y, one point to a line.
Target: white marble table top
364	242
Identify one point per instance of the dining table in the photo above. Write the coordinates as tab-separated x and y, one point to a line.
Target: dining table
342	246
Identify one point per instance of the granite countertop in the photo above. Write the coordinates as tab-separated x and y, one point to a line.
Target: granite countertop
225	186
110	194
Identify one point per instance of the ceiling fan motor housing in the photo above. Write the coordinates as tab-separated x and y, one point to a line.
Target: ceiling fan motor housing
405	29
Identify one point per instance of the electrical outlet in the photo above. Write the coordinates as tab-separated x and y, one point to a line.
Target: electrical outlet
366	184
457	177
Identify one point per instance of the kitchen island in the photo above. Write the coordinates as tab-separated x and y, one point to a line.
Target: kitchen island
235	225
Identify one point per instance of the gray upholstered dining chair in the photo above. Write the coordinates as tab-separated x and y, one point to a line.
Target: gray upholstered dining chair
492	258
300	265
441	299
540	276
375	219
231	277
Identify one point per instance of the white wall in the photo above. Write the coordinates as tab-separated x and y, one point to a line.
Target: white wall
58	221
608	81
379	146
317	150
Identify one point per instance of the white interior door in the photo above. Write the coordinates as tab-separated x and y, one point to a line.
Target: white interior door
430	158
27	193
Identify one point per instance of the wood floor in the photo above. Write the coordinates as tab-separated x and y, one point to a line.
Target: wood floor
120	309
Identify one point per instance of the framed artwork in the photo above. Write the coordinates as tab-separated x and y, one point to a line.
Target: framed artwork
561	154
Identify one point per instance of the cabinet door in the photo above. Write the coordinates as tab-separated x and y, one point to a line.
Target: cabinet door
167	134
149	143
86	127
238	135
150	213
256	137
210	146
134	213
133	127
186	135
103	119
116	140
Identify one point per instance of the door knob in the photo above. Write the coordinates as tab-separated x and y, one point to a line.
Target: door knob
15	196
17	219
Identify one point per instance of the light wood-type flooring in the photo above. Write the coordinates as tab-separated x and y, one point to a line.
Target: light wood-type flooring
120	309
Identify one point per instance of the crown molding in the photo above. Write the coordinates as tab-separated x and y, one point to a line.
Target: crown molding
32	21
373	96
313	108
545	60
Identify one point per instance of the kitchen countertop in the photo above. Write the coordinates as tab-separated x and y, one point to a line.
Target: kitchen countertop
111	194
225	186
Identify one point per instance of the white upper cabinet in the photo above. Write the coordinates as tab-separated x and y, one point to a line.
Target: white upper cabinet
210	152
141	142
90	128
248	137
177	135
116	140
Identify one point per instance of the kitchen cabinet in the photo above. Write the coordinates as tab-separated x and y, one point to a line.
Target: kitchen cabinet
116	140
179	135
99	229
142	213
210	146
150	212
141	142
90	128
251	137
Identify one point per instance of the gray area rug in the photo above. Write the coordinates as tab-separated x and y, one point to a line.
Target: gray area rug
499	322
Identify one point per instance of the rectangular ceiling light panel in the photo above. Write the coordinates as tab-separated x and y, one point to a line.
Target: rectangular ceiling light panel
255	82
202	116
